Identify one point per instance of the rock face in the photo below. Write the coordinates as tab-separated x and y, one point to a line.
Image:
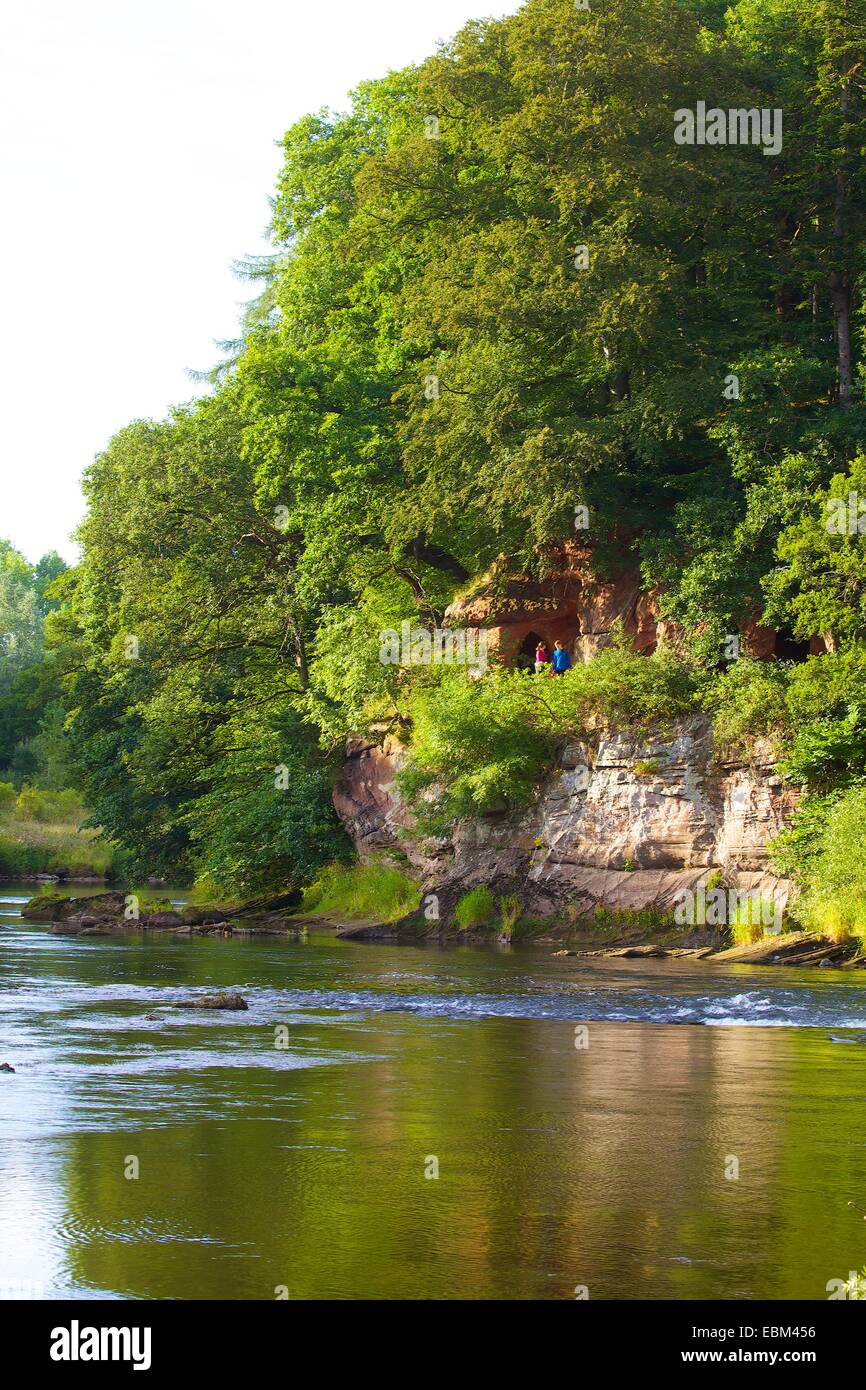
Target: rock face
572	605
620	822
576	605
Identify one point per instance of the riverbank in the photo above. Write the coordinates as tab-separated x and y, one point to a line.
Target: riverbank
41	839
117	912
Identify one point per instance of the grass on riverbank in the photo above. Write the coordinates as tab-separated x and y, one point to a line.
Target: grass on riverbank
376	891
39	834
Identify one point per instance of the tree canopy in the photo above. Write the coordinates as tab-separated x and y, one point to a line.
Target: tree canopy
500	289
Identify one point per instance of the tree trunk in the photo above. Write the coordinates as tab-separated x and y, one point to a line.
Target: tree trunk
300	654
840	294
840	282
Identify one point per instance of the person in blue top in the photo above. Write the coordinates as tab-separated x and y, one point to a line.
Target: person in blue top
561	659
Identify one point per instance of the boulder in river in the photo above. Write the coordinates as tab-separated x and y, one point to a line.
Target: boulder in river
4	1066
162	919
54	907
214	1001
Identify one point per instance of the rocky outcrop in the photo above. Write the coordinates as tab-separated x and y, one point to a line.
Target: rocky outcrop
572	604
578	604
621	821
54	907
366	799
117	911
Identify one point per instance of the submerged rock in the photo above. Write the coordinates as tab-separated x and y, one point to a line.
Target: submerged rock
214	1001
650	949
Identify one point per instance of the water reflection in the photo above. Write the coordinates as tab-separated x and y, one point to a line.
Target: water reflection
558	1166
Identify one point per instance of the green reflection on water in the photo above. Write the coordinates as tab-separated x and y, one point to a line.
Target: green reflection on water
558	1167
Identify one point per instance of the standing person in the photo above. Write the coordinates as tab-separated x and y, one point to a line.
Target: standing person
561	659
541	658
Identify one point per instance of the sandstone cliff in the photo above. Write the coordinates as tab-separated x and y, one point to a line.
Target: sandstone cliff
618	822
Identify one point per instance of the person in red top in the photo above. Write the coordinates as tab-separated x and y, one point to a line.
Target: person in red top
542	658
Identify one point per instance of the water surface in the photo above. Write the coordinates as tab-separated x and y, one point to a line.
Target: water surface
585	1133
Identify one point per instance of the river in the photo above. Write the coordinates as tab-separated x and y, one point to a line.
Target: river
587	1140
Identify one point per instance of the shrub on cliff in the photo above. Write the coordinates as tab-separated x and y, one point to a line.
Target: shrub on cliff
814	713
827	706
481	745
748	701
621	688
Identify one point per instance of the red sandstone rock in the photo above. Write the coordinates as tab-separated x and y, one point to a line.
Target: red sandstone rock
571	605
594	818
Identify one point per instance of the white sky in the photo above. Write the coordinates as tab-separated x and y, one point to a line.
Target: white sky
137	155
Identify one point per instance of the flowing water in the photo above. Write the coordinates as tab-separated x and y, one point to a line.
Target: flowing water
585	1136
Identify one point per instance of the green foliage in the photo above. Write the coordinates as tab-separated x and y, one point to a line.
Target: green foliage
827	709
480	745
475	908
819	583
620	686
813	712
30	805
646	767
827	751
793	852
510	908
21	616
748	701
486	739
831	852
429	383
266	820
59	806
749	918
375	890
40	833
30	715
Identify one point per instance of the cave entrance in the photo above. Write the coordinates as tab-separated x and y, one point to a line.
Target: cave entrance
789	647
525	657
